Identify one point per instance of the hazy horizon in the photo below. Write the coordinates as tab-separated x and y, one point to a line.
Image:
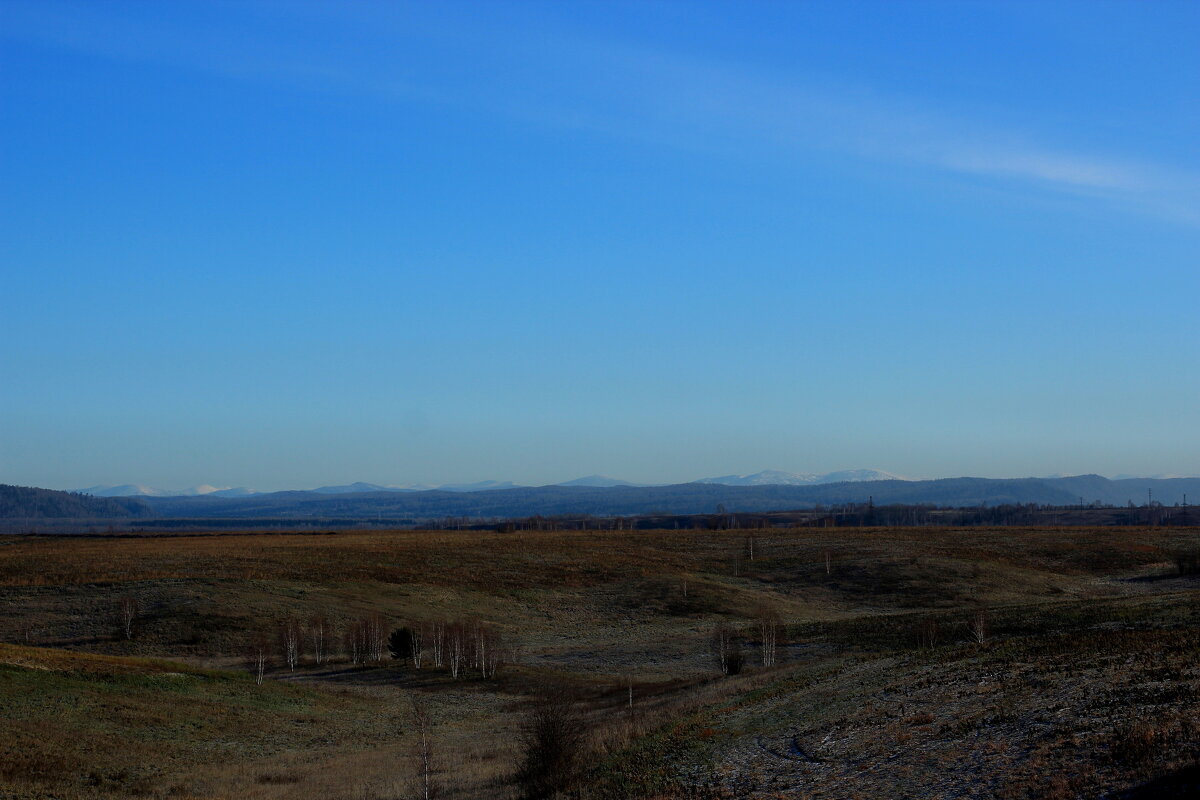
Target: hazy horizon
293	245
267	487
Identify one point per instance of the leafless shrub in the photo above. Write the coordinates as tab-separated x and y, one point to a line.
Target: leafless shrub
552	747
130	609
977	626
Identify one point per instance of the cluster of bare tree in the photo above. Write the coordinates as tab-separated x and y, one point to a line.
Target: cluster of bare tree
929	632
770	634
458	645
727	649
727	642
365	640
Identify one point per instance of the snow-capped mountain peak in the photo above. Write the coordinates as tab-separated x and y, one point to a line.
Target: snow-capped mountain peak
774	477
141	490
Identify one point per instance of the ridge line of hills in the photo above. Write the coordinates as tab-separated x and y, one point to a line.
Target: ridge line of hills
618	500
766	477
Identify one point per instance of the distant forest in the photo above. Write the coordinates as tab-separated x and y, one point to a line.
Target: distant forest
685	498
25	502
886	502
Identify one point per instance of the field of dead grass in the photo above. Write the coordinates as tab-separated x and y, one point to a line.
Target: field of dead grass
96	714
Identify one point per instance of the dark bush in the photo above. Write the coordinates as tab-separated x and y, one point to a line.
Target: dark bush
735	660
400	644
552	747
1188	563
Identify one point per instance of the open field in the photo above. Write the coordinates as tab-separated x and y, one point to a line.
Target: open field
1086	681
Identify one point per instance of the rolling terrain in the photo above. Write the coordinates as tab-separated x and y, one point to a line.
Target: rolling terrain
1083	678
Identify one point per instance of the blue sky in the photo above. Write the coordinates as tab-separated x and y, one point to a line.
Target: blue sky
288	244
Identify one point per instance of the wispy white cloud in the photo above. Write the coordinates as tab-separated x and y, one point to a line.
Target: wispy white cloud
614	88
1051	168
706	102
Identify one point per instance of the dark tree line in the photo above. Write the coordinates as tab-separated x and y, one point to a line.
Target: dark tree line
23	502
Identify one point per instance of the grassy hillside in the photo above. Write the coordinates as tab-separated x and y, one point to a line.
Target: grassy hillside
1091	648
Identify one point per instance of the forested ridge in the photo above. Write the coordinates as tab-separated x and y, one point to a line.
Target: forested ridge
26	502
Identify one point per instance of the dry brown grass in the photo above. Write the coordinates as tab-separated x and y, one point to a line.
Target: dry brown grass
589	610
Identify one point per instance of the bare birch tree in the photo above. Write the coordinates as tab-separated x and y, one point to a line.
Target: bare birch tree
289	642
490	646
770	629
129	613
426	788
318	633
354	641
727	649
375	633
416	633
259	653
473	628
438	637
457	642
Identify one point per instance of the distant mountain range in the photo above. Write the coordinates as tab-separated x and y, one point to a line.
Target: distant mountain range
355	488
491	501
768	477
595	495
599	496
598	480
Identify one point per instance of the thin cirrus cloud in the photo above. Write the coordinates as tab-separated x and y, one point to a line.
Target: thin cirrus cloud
696	103
633	92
